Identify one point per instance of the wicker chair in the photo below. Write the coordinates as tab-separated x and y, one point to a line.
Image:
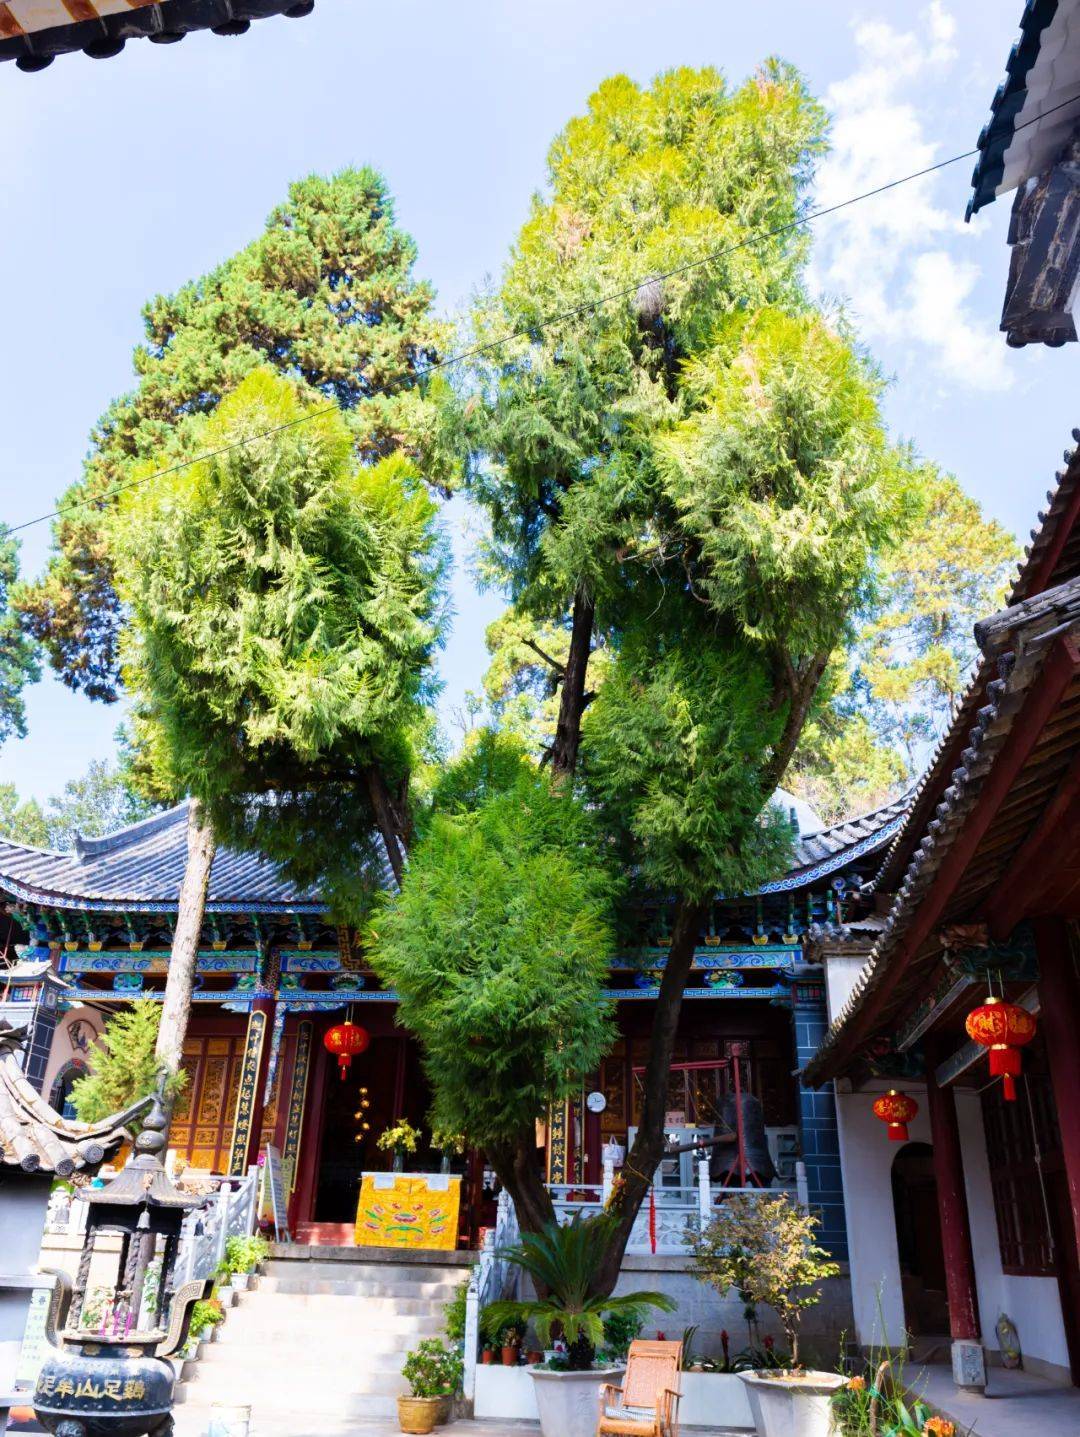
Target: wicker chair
647	1405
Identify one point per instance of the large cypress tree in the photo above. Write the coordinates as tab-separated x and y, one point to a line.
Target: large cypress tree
695	477
325	295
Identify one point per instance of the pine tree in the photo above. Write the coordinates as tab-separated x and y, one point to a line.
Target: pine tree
325	295
123	1065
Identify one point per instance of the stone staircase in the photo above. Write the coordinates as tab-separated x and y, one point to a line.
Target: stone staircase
323	1332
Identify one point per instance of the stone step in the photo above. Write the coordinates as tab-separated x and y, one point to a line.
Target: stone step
346	1317
257	1385
241	1358
336	1303
353	1270
370	1289
315	1403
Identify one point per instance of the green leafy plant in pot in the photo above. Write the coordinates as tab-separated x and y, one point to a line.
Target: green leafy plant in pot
433	1372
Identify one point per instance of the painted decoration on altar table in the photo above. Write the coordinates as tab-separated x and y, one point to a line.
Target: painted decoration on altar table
399	1210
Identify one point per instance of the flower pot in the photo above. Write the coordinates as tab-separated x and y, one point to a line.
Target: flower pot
532	1358
792	1406
241	1281
442	1412
509	1356
568	1402
417	1414
487	1357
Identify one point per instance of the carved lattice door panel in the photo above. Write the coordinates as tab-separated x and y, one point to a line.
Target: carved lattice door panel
202	1124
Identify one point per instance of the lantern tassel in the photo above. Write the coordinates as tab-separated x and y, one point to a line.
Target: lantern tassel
1008	1088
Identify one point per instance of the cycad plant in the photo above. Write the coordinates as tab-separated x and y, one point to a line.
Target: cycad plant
563	1262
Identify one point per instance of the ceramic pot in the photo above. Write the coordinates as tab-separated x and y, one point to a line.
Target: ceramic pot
509	1356
532	1358
487	1357
569	1402
785	1406
442	1412
417	1414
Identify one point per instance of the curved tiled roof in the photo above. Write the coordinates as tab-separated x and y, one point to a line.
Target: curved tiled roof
1042	78
33	32
141	867
35	1137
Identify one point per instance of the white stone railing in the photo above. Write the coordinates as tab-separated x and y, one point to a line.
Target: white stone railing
229	1210
489	1281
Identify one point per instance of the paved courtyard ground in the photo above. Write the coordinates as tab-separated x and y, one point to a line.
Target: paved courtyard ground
1016	1404
191	1421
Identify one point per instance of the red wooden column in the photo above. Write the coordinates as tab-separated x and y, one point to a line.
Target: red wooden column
302	1207
1059	1022
968	1362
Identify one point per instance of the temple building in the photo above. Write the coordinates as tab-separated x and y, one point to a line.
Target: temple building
956	982
92	930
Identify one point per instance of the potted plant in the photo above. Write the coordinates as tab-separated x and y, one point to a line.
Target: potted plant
487	1352
764	1248
509	1341
402	1140
563	1262
433	1372
242	1256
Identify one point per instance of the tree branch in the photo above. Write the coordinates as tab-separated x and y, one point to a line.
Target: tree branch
560	669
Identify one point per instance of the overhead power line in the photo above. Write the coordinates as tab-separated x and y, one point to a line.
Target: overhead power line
545	322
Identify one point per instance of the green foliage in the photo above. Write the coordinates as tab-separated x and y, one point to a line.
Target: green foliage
765	1249
647	180
890	695
621	1328
122	1064
671	752
455	1311
18	653
98	803
433	1370
562	1260
325	295
22	820
285	614
244	1254
498	947
205	1314
876	1402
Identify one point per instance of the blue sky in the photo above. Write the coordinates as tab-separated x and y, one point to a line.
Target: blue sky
126	177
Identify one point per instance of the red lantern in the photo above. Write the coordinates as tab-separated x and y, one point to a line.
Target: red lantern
896	1109
346	1040
1004	1028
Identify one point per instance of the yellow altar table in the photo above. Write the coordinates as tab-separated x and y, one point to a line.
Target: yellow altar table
418	1210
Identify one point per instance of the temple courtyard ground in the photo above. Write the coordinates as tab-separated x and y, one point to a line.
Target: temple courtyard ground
1016	1404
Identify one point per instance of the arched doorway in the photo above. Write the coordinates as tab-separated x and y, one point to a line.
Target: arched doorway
65	1080
918	1240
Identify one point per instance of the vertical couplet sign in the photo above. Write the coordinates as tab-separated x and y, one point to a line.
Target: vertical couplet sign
248	1101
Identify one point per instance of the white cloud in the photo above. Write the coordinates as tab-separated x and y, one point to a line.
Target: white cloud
897	261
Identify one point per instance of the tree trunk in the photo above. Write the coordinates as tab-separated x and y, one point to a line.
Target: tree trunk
517	1166
190	911
564	750
387	819
799	698
644	1157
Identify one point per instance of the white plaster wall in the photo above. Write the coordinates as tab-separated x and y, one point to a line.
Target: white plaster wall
840	974
1033	1303
866	1157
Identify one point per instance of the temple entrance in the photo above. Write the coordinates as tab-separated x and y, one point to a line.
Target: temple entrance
918	1240
389	1076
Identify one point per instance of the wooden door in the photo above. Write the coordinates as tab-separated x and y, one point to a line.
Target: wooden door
202	1125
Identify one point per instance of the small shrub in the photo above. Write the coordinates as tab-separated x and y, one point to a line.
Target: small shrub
620	1329
205	1315
764	1248
243	1254
433	1370
454	1313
